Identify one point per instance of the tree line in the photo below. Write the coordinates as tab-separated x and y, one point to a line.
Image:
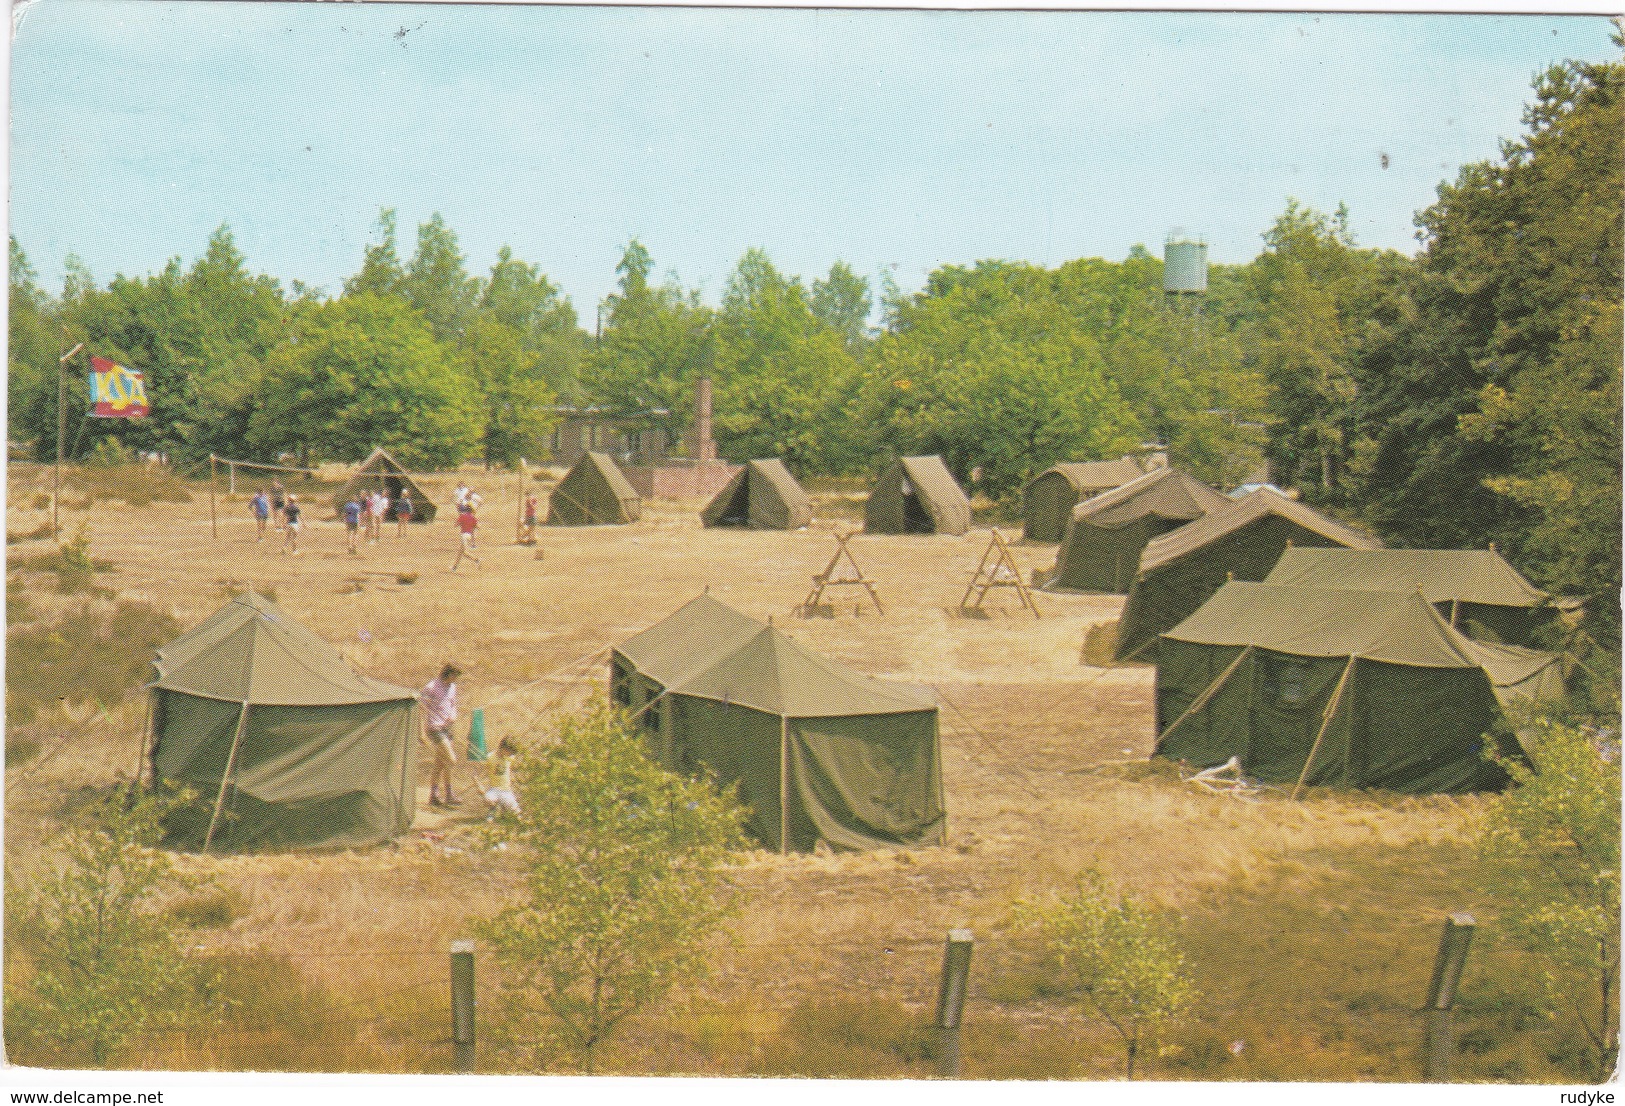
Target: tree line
1469	393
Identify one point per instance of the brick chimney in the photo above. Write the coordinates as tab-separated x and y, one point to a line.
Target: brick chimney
703	447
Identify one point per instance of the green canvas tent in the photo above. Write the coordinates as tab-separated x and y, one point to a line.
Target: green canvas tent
1242	541
382	473
272	728
763	496
916	495
820	752
1474	589
1105	534
1048	498
1375	687
594	492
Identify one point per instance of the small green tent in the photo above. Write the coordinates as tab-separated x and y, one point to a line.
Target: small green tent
260	716
382	473
1242	541
916	495
594	492
763	496
1375	686
1474	589
1048	498
820	752
1105	534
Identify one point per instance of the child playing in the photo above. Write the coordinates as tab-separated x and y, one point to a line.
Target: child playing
261	506
499	793
290	523
527	536
467	523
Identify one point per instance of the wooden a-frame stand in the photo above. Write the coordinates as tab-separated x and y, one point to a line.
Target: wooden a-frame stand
828	579
1001	573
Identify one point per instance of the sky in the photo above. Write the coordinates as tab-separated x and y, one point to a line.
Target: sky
892	140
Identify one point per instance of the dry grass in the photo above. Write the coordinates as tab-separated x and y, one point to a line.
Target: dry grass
836	956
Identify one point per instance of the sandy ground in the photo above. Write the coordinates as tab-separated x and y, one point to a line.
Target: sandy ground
1042	755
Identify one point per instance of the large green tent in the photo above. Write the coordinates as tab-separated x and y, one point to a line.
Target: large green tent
820	752
382	473
916	495
272	728
1375	686
763	496
594	492
1474	589
1242	541
1048	498
1105	534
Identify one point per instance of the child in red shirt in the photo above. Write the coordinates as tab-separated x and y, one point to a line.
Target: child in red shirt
466	525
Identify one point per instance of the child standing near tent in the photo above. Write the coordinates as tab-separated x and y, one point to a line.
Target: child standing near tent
352	522
499	793
260	505
380	508
527	535
467	524
439	699
403	513
290	525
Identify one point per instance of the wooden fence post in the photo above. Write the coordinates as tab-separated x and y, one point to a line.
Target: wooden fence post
1439	1039
951	999
462	1005
214	524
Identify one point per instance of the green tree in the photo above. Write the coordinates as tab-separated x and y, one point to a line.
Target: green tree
1494	411
520	296
623	886
32	348
381	273
841	301
655	344
200	336
437	283
515	396
109	968
1116	957
366	371
1554	838
782	376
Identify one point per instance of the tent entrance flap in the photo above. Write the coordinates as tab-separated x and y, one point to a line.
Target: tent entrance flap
1325	724
225	776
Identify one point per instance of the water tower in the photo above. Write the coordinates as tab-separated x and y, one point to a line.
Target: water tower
1184	268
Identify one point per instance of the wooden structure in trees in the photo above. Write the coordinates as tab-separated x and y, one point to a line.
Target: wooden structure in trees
996	572
829	579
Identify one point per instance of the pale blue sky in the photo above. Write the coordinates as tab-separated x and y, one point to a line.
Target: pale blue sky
903	138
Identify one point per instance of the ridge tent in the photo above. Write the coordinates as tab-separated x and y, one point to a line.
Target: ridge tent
1105	534
763	496
1475	590
265	719
381	472
916	495
1048	498
820	752
1183	568
595	491
1396	698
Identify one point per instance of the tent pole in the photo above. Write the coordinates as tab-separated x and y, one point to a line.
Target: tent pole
225	777
1212	690
519	506
146	737
1325	724
784	785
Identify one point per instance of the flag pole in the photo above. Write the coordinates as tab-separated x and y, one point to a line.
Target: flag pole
61	433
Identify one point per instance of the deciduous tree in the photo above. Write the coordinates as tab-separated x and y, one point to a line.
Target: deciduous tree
623	886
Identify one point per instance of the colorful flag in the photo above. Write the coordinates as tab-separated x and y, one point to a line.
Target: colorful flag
116	392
